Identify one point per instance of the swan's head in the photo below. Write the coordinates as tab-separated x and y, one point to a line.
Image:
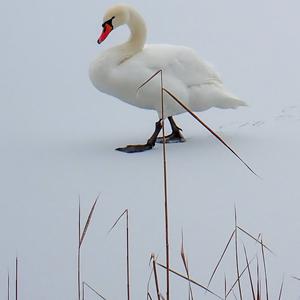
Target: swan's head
116	16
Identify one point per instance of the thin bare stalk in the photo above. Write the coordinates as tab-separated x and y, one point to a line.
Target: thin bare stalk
149	79
225	288
17	276
149	296
209	129
88	221
81	237
255	239
155	276
127	248
221	258
8	286
296	278
78	252
186	267
165	180
92	289
191	280
127	257
281	289
150	276
165	190
82	288
162	297
249	273
237	254
265	270
239	277
258	281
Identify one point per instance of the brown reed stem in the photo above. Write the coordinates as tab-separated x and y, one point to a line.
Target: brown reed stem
92	289
149	296
165	190
88	221
237	254
186	266
156	278
127	254
209	129
255	239
78	252
191	280
127	248
82	288
258	280
165	179
221	258
281	289
265	270
17	275
242	273
8	286
81	237
249	273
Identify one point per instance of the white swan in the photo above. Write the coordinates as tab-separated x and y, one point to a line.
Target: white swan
120	70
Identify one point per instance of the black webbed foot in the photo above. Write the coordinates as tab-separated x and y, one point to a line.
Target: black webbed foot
135	148
174	137
148	146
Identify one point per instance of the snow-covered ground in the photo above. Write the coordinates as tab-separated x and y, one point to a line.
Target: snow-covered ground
58	136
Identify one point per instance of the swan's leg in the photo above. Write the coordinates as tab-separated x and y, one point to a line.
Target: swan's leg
149	145
175	137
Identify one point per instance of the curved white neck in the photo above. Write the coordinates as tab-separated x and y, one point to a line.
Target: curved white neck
138	31
137	37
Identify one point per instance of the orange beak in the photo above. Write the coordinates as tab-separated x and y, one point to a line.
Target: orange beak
106	31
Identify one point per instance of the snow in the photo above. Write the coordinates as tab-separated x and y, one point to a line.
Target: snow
58	136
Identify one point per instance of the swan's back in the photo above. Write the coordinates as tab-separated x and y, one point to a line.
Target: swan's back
179	62
184	74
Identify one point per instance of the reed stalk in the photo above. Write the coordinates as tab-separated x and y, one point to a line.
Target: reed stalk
17	277
237	254
126	213
81	237
8	287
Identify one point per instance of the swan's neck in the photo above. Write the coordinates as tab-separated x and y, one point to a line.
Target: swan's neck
137	39
138	31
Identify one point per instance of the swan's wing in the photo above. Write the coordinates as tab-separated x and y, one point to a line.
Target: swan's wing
184	74
181	65
179	62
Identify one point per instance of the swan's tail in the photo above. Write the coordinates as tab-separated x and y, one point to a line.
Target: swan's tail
230	102
214	95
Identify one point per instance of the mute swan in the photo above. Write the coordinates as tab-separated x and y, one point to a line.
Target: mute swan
120	70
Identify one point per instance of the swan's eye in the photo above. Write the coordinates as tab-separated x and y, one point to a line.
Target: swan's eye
109	22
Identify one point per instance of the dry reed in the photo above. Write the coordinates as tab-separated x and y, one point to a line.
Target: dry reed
265	270
237	254
127	248
221	258
92	289
249	273
153	259
17	276
81	237
8	286
191	281
186	267
166	211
